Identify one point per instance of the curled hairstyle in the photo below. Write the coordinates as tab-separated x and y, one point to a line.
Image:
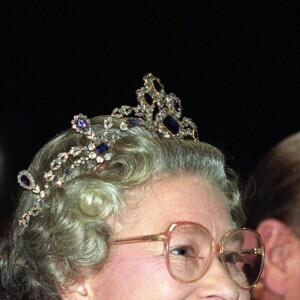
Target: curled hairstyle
274	190
69	240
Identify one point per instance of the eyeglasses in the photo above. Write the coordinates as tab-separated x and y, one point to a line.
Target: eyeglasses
190	248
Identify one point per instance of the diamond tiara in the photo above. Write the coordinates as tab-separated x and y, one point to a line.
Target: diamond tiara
158	112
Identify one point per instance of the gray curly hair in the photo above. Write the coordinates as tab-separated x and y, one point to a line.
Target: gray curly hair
69	240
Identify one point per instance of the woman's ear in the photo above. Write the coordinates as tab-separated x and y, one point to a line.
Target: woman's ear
78	291
276	236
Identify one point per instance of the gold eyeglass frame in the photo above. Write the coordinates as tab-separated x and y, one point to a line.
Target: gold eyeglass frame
217	248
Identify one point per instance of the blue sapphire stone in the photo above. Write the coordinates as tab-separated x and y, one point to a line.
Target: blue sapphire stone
171	124
67	171
81	123
148	98
132	122
176	105
25	180
102	148
42	203
157	85
155	111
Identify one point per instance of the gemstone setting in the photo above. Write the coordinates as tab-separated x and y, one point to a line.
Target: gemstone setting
26	180
148	98
171	124
157	86
102	148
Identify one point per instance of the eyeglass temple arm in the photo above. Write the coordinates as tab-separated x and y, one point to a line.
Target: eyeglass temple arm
141	239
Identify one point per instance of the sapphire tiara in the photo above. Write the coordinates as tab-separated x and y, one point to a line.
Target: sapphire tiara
158	112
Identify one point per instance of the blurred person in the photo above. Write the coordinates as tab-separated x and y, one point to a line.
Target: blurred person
272	200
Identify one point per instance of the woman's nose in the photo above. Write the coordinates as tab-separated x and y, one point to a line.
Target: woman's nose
217	284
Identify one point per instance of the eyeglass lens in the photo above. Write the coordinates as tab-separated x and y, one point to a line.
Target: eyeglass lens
243	257
190	252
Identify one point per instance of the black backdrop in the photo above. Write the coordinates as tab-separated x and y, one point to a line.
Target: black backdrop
234	64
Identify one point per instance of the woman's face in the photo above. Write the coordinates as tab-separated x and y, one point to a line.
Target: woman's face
138	271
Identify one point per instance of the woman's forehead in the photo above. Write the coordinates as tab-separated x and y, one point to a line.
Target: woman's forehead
177	198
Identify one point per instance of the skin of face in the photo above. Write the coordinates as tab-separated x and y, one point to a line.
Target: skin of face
138	271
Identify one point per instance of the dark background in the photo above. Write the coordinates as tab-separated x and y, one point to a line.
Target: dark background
234	64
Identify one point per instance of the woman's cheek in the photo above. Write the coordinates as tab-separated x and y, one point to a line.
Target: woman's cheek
139	274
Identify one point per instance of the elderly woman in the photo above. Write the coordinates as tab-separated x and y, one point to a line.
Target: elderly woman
272	199
130	206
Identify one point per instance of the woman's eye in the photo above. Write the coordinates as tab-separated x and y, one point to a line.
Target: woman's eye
232	257
183	251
